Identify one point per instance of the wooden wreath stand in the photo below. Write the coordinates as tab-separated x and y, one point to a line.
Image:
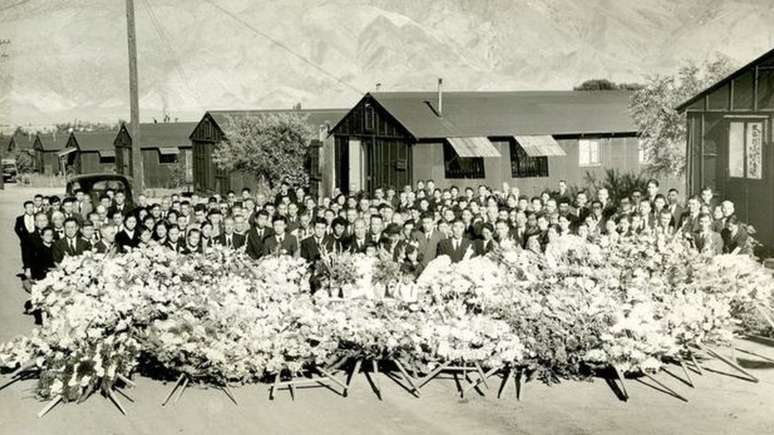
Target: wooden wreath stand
182	384
362	363
507	372
108	392
455	369
303	378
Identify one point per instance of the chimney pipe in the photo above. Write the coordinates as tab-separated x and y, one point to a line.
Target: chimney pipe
440	97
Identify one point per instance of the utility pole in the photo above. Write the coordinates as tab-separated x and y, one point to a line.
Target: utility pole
134	100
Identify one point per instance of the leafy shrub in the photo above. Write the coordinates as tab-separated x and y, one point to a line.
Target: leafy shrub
618	184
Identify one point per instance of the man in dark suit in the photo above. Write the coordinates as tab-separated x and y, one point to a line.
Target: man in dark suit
707	241
257	234
24	229
427	239
119	204
313	246
106	243
228	237
457	247
70	245
359	240
674	207
280	243
68	209
392	243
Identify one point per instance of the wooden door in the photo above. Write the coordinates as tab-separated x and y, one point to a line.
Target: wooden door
748	169
389	164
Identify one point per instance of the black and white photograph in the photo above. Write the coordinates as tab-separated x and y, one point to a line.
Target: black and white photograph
387	217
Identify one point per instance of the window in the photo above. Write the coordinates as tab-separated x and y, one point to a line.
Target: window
461	167
588	152
524	166
370	117
107	159
745	150
167	158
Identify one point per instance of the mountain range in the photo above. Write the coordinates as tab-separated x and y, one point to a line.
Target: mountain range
68	59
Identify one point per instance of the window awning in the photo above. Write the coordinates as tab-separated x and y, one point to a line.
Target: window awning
107	153
169	150
473	147
539	146
66	151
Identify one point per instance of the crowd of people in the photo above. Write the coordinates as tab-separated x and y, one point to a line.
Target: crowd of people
412	226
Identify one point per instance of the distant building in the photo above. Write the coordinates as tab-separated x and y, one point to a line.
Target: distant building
213	128
729	144
166	147
46	148
18	141
531	139
89	153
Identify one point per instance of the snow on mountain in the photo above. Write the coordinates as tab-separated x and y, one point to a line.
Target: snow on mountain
68	59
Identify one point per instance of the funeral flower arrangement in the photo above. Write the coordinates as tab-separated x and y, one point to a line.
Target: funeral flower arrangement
221	318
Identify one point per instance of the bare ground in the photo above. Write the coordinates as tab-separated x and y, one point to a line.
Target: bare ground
720	403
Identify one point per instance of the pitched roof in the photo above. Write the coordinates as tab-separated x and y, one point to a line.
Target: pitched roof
165	134
88	141
722	82
472	114
22	141
315	117
53	141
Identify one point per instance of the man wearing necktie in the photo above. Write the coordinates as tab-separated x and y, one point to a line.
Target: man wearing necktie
71	244
312	246
457	247
359	241
24	229
427	239
229	238
281	243
257	235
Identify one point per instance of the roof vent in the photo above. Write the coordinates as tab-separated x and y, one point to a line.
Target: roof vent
440	97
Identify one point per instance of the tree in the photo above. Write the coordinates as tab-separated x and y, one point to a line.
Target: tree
596	85
662	130
273	147
77	125
25	163
606	85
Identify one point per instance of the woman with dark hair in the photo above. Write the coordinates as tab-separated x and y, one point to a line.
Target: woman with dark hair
412	262
736	240
129	236
149	222
146	237
172	217
624	225
173	240
43	255
160	232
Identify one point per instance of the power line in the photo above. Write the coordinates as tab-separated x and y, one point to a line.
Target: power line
284	47
165	40
5	8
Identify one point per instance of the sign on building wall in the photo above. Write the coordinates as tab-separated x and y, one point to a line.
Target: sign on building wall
754	150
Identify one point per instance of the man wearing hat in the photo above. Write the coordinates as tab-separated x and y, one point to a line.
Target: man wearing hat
391	241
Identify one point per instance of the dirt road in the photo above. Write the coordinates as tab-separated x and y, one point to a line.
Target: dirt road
719	403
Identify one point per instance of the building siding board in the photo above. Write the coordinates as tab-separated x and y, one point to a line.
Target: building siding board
619	152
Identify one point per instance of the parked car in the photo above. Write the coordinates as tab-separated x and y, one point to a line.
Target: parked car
9	170
95	185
